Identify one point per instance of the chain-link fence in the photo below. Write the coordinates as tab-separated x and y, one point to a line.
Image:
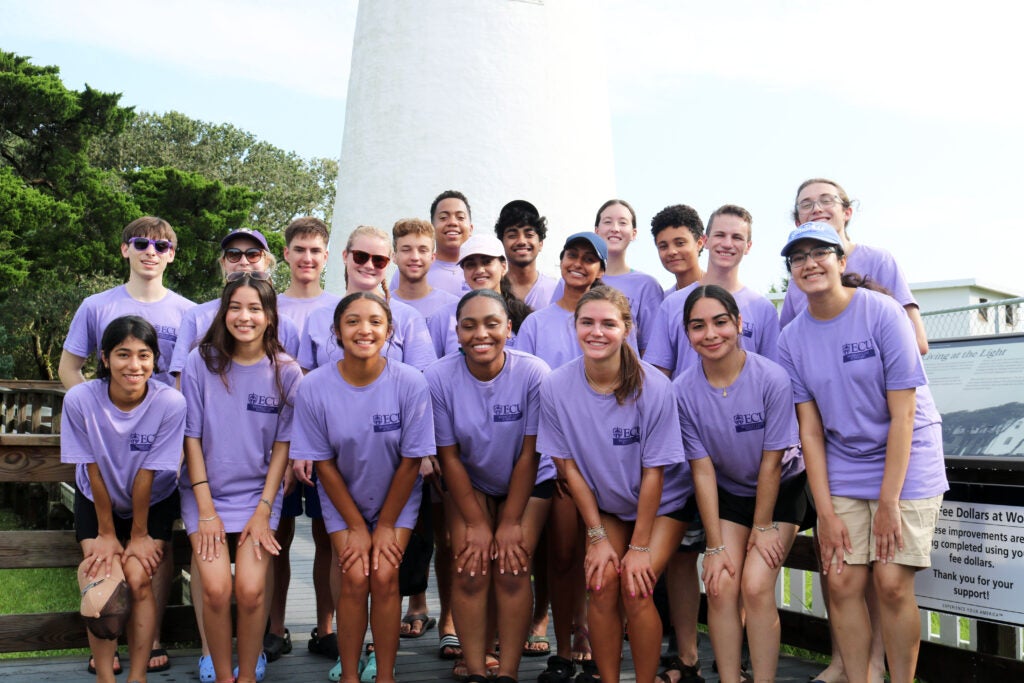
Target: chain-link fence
990	317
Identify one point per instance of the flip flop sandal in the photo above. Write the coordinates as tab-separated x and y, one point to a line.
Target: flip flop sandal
153	654
447	646
533	639
427	621
91	667
493	664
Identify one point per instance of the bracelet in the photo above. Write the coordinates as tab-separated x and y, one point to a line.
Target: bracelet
639	548
596	533
267	503
772	526
207	519
204	481
714	551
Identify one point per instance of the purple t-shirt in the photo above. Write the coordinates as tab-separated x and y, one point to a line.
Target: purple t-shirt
97	311
846	365
644	294
298	310
237	427
446	339
435	299
366	431
670	347
488	420
540	295
756	414
550	334
409	343
197	321
442	275
611	444
877	263
147	437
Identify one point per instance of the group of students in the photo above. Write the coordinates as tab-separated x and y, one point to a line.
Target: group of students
594	421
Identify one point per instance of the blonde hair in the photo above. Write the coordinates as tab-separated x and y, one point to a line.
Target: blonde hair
370	231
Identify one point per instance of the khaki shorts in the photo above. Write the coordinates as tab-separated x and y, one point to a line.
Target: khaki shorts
917	521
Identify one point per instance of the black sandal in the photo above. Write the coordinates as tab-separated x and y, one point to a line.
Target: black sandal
560	670
588	672
687	674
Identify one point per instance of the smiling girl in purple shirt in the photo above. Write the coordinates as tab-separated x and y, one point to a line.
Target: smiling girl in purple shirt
365	421
239	385
611	423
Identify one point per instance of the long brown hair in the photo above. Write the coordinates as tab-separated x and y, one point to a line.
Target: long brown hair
218	345
631	373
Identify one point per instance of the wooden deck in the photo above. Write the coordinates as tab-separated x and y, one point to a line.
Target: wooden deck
417	658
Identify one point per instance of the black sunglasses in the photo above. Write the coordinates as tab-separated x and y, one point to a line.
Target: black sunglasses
361	257
142	244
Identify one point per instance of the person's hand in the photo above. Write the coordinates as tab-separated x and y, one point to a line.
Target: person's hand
769	546
888	530
303	471
212	538
147	551
386	546
638	573
475	554
289	480
510	549
258	533
598	555
715	568
102	553
357	548
834	543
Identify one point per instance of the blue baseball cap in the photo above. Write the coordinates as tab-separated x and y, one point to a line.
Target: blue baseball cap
813	230
246	232
594	240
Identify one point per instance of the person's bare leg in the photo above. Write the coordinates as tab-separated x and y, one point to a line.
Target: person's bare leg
162	580
565	572
195	588
253	582
282	576
353	592
541	598
142	623
216	587
683	587
900	618
443	568
725	622
325	587
876	663
470	597
386	613
848	614
764	629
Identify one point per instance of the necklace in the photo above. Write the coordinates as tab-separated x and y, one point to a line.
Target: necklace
600	388
725	392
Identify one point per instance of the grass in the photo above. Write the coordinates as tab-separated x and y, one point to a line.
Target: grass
31	591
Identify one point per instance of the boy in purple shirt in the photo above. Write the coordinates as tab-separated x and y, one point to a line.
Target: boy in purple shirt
148	244
679	236
522	231
453	225
729	240
414	257
305	252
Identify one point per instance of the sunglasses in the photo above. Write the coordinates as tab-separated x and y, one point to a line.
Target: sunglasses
252	255
361	257
142	244
251	274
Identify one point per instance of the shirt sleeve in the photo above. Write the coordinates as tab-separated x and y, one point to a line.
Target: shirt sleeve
647	310
526	340
901	358
165	453
801	394
192	388
693	446
444	420
660	350
781	430
310	438
535	379
186	339
663	440
768	343
81	334
418	349
551	439
417	420
291	378
74	439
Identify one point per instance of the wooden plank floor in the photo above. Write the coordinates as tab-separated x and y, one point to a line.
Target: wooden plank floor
417	658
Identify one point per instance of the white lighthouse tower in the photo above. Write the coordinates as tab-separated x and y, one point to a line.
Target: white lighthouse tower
500	99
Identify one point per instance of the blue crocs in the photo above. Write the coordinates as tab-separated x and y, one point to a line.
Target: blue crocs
206	672
261	668
335	673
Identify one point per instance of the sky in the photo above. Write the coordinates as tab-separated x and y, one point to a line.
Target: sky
914	107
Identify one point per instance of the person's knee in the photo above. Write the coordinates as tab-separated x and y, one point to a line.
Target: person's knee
384	581
217	592
511	584
250	593
846	585
893	587
758	589
138	580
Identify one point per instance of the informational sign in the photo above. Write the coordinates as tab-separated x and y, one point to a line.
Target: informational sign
977	563
978	385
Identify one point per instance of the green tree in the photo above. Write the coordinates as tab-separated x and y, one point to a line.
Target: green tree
288	185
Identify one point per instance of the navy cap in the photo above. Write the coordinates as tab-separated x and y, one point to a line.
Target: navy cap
246	232
594	240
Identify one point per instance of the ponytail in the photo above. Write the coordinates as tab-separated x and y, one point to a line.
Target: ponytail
517	308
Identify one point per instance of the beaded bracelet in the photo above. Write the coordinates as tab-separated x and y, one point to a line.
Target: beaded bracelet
596	533
639	548
772	526
267	503
714	551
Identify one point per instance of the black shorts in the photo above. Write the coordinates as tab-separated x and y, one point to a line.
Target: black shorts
160	522
543	490
792	506
291	505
